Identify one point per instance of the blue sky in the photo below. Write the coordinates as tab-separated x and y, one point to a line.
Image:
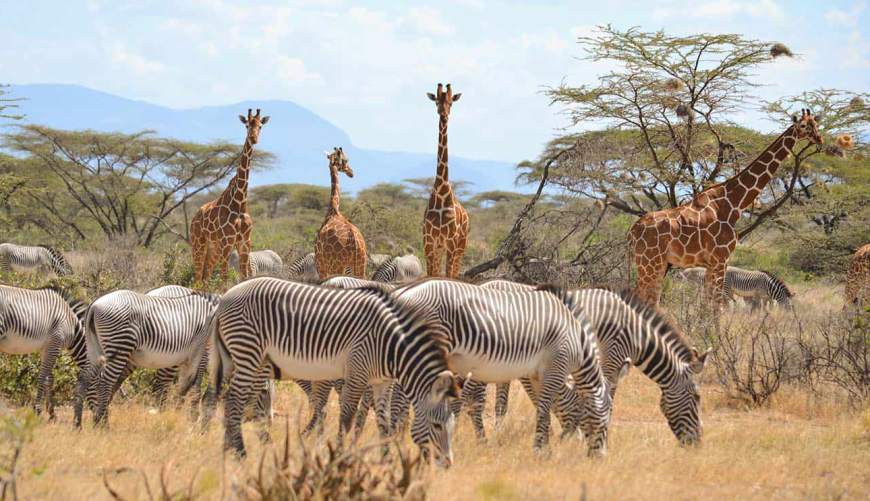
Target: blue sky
366	66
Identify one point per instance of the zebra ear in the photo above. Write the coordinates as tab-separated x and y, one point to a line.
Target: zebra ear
699	360
444	386
623	370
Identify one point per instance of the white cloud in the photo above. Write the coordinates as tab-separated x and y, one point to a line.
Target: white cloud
428	21
717	9
837	17
133	61
292	69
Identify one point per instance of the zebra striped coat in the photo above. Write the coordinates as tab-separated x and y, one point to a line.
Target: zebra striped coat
315	333
399	270
304	269
262	262
629	330
755	287
497	336
42	321
166	328
40	258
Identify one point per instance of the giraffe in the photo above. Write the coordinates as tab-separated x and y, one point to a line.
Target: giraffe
445	223
339	245
224	223
858	279
703	231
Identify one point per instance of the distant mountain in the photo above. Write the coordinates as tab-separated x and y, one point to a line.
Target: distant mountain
296	135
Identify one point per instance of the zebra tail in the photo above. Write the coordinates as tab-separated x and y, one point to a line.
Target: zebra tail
220	363
96	356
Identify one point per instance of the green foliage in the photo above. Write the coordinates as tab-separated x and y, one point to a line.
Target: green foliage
19	375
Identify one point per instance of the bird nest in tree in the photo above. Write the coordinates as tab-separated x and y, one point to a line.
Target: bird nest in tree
856	103
845	141
835	151
672	84
780	49
683	111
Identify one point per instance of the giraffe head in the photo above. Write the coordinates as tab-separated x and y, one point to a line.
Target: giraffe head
444	99
253	123
806	127
338	160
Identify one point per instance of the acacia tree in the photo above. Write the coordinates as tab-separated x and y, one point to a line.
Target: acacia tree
125	184
8	105
665	115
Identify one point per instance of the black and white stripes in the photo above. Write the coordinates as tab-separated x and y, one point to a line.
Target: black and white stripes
41	258
314	333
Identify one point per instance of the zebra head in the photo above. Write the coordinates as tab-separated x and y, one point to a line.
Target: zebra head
681	401
432	429
58	261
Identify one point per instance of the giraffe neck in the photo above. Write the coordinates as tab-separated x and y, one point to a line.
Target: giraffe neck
236	194
335	193
442	179
758	173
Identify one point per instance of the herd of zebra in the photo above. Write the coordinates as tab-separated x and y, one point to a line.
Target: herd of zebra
394	343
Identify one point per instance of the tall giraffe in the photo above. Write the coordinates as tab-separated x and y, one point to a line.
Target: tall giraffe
339	245
224	223
703	231
445	223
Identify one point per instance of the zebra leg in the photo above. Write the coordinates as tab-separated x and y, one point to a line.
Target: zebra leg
86	376
245	378
44	391
380	394
362	413
160	386
400	407
318	397
263	409
502	393
354	387
550	384
474	398
111	376
596	408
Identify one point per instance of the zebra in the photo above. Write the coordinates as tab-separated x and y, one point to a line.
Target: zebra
497	336
304	269
42	258
755	287
631	331
262	262
162	329
399	270
362	336
43	320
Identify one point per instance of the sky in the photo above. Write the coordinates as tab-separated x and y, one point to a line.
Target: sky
366	66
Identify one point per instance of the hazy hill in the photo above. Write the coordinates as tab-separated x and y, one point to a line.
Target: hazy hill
295	134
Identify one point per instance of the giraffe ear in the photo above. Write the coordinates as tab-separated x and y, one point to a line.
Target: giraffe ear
431	96
456	97
265	120
243	119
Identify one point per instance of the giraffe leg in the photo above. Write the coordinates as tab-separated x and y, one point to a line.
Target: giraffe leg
212	256
454	257
714	282
650	276
433	259
244	246
226	249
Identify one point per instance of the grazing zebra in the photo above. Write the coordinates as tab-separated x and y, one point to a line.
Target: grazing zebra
41	258
755	287
498	336
304	269
163	329
399	270
629	330
46	321
262	262
316	333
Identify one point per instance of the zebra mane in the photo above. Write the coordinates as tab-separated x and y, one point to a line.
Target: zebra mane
778	281
656	318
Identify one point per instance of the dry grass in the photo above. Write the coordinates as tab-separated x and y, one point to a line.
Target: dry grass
796	448
799	445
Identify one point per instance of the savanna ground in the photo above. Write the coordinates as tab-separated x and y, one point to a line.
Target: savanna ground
807	441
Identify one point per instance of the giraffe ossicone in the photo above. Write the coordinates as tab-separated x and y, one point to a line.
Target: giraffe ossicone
703	231
224	224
